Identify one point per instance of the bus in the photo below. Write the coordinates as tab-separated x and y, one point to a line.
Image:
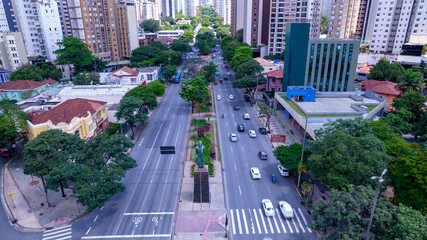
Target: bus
177	78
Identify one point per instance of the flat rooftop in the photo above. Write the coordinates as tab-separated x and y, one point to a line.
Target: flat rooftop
338	105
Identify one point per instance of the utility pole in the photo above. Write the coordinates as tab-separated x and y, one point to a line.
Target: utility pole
380	180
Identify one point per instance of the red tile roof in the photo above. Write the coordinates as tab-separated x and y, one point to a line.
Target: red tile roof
263	62
26	84
385	87
366	69
3	70
66	111
276	73
127	70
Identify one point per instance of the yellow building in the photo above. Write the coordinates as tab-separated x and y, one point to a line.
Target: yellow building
82	117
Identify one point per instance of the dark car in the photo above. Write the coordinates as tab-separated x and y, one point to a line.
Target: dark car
236	107
225	78
240	128
247	98
220	81
263	130
262	155
215	83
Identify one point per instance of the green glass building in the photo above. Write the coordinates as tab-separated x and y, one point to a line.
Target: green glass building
324	64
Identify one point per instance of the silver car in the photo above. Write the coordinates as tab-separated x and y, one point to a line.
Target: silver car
233	137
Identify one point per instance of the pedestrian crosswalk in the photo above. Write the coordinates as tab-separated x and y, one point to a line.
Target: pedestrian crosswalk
60	233
254	221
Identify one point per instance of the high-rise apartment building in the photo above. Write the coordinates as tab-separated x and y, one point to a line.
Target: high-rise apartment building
190	7
12	51
168	8
344	18
40	26
324	64
8	21
394	23
127	28
149	9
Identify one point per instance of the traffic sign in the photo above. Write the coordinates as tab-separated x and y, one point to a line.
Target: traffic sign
167	149
278	138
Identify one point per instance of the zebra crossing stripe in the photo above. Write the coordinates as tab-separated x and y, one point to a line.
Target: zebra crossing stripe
257	223
232	221
238	220
296	215
275	223
303	218
271	226
56	232
244	220
281	223
252	225
263	222
296	228
289	225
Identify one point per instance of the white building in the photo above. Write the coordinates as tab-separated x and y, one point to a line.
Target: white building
40	25
124	76
169	34
12	51
190	7
395	22
223	7
149	9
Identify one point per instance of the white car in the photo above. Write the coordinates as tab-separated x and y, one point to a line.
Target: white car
268	208
231	96
233	137
256	174
229	73
218	97
246	116
283	171
252	133
286	209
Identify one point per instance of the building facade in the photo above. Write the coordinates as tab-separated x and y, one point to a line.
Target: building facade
82	117
149	9
127	28
324	64
344	18
23	89
395	22
12	51
8	21
168	8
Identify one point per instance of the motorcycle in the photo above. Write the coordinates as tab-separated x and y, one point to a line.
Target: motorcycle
273	178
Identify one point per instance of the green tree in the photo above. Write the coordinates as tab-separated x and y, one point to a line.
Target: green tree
412	81
265	112
147	95
206	22
8	132
383	70
168	72
355	127
420	69
249	84
158	88
421	128
187	36
242	53
37	72
324	25
399	121
49	150
150	25
290	156
248	67
410	184
340	159
181	46
180	16
411	101
209	71
97	65
148	52
97	176
14	122
73	51
48	70
222	32
195	91
86	78
168	20
225	41
131	109
238	37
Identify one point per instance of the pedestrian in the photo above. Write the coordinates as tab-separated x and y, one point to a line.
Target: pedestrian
13	147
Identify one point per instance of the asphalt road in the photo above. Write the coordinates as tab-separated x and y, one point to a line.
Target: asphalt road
146	209
244	195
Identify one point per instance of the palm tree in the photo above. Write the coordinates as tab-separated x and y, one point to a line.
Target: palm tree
324	25
413	81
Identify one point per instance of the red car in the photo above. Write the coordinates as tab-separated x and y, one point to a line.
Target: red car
4	152
220	80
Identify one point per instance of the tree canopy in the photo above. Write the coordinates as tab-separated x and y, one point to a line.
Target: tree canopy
205	40
153	54
412	81
249	84
238	37
383	70
13	122
222	32
150	25
181	46
86	78
195	91
209	71
145	93
131	110
37	72
248	67
290	156
187	36
411	101
241	53
74	51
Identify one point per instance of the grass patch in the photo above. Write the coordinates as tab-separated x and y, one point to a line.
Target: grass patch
370	107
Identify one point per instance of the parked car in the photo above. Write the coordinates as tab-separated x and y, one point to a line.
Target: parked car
252	133
255	173
240	128
262	155
5	152
268	208
286	209
247	98
233	137
236	107
262	130
283	171
218	97
246	116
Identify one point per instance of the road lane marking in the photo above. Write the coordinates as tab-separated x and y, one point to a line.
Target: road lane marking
149	213
88	230
95	218
139	178
296	215
303	218
235	168
268	189
289	225
231	149
252	226
275	223
257	222
232	221
240	190
263	222
226	124
271	226
129	236
238	221
243	150
244	220
281	223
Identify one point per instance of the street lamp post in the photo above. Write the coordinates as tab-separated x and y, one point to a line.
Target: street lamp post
380	180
